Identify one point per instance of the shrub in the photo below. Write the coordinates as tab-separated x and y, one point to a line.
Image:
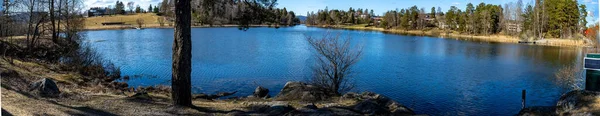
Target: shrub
335	58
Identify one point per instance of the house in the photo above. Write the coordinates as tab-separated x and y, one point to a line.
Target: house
96	11
513	27
376	20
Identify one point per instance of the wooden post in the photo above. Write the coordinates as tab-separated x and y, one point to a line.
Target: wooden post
523	95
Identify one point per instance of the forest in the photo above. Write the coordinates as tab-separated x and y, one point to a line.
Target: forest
220	12
542	19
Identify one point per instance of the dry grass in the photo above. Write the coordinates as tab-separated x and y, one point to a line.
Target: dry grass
99	100
457	35
150	20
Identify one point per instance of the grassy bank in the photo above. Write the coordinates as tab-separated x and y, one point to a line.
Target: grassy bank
456	35
151	20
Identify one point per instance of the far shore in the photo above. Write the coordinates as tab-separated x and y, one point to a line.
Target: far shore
118	27
458	36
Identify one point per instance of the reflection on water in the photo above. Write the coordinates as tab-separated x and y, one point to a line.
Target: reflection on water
431	75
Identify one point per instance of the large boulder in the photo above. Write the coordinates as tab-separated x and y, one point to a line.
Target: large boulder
578	102
45	88
302	91
260	92
377	104
371	108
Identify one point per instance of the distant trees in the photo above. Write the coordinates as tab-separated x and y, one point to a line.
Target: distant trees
155	10
138	9
545	18
130	6
120	7
335	58
149	8
219	12
410	18
338	17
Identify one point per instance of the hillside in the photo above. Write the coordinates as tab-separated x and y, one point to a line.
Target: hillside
150	20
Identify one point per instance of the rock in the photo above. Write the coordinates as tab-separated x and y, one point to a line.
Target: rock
397	109
301	91
119	85
349	95
45	88
141	96
279	109
377	104
260	92
371	108
577	102
339	111
311	106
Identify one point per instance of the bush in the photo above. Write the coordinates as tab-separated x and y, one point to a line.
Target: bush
571	77
90	64
335	58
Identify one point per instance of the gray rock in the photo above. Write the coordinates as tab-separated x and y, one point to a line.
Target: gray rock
377	104
371	108
45	88
261	92
301	91
312	106
349	95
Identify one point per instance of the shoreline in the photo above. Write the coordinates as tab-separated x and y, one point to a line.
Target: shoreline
156	26
451	35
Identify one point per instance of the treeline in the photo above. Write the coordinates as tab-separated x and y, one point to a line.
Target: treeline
220	12
338	17
48	31
120	8
542	19
54	19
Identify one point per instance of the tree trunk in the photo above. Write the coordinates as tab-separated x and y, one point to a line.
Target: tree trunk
54	36
181	85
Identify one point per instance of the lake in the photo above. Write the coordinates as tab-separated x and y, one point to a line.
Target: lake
432	75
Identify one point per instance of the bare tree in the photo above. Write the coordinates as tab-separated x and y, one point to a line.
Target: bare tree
570	76
140	22
52	21
131	6
161	21
334	61
182	55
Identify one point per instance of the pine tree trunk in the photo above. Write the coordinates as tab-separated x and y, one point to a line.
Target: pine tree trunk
182	47
54	34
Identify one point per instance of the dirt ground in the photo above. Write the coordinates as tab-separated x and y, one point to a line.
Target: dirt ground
78	99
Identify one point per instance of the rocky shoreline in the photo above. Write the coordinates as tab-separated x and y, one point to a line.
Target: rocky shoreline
25	91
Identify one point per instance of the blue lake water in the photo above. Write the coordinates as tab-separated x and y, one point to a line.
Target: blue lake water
431	75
